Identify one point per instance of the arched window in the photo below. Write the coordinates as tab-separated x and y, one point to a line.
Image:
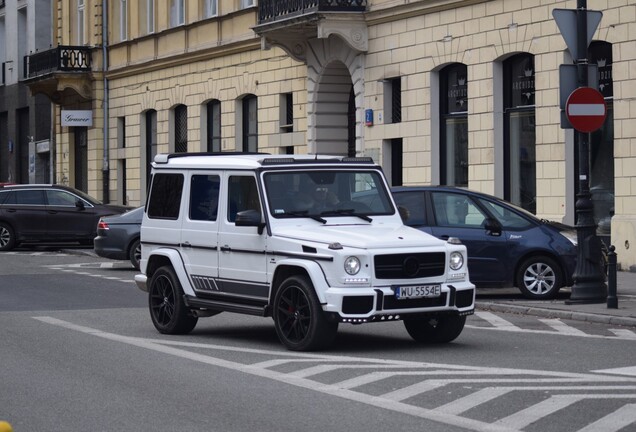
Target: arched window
181	129
250	123
520	184
214	126
454	125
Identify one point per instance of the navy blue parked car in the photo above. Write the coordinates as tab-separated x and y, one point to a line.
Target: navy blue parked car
507	246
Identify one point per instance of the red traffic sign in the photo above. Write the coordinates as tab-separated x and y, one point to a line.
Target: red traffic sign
586	109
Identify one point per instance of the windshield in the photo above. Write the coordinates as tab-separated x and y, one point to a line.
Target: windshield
327	193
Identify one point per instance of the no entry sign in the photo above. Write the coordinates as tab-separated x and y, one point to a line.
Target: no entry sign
585	109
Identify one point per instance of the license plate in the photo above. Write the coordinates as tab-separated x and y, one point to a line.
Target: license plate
418	291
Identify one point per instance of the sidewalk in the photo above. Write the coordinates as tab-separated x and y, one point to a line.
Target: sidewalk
624	315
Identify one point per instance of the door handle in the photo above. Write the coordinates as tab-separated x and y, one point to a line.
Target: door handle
225	248
186	244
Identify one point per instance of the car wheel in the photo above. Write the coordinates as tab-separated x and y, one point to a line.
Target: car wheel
7	237
435	329
165	299
134	253
539	278
300	322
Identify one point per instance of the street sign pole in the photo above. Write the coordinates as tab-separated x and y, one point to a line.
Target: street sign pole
589	282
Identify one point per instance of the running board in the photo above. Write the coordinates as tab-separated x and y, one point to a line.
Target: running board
221	306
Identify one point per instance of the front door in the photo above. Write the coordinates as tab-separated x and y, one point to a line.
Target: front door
242	258
457	215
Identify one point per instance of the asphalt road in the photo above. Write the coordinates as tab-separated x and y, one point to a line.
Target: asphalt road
78	352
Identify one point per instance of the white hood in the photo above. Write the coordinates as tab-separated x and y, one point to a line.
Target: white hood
363	236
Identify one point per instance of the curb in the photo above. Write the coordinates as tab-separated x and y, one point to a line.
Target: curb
557	313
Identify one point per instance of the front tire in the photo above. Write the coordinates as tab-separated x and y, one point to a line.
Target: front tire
165	300
435	329
7	237
300	322
539	278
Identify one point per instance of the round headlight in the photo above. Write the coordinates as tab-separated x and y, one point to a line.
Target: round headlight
456	260
352	265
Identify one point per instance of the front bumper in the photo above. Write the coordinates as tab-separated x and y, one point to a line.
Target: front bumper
359	305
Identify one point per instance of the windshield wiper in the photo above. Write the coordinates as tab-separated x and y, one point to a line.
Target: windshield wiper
347	212
305	213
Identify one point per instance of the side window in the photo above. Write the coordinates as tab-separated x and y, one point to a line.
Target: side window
242	195
30	197
204	197
61	198
165	196
412	207
456	211
506	217
4	196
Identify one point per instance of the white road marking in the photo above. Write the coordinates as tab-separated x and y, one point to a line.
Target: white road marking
527	416
432	415
497	321
473	400
563	328
620	334
629	371
447	414
624	333
614	422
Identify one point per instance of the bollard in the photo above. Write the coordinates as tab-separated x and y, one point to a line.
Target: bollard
612	299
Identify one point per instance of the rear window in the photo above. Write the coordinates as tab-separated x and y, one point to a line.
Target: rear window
165	196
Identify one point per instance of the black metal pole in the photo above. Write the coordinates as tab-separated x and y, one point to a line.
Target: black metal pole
589	282
612	295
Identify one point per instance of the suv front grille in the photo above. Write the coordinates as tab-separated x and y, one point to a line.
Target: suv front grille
409	266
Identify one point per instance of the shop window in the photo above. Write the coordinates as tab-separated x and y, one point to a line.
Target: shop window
454	125
520	179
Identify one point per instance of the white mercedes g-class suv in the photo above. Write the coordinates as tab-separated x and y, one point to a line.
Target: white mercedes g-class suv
312	241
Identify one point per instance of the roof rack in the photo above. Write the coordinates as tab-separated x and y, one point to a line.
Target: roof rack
165	157
289	160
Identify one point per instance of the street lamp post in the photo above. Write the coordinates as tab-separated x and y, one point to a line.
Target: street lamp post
589	282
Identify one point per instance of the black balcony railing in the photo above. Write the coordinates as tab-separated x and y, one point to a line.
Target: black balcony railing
273	10
61	58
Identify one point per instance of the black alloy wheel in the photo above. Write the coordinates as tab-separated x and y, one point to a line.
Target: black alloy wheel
300	322
7	237
165	299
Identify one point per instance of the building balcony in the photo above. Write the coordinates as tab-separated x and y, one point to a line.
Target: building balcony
291	24
60	73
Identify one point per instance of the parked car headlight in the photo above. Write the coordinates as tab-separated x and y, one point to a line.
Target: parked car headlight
456	260
352	265
570	235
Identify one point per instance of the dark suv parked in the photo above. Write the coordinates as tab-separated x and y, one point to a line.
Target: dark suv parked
507	246
49	213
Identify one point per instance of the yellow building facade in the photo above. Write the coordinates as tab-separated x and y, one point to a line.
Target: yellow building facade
461	92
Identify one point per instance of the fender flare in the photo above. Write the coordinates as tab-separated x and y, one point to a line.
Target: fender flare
311	268
177	264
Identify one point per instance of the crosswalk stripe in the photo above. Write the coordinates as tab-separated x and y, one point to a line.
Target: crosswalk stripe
497	321
562	328
619	419
624	333
465	403
525	417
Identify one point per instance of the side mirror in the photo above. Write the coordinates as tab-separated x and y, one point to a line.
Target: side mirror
250	218
80	204
492	227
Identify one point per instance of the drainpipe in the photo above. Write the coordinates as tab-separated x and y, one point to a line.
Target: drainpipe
105	163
